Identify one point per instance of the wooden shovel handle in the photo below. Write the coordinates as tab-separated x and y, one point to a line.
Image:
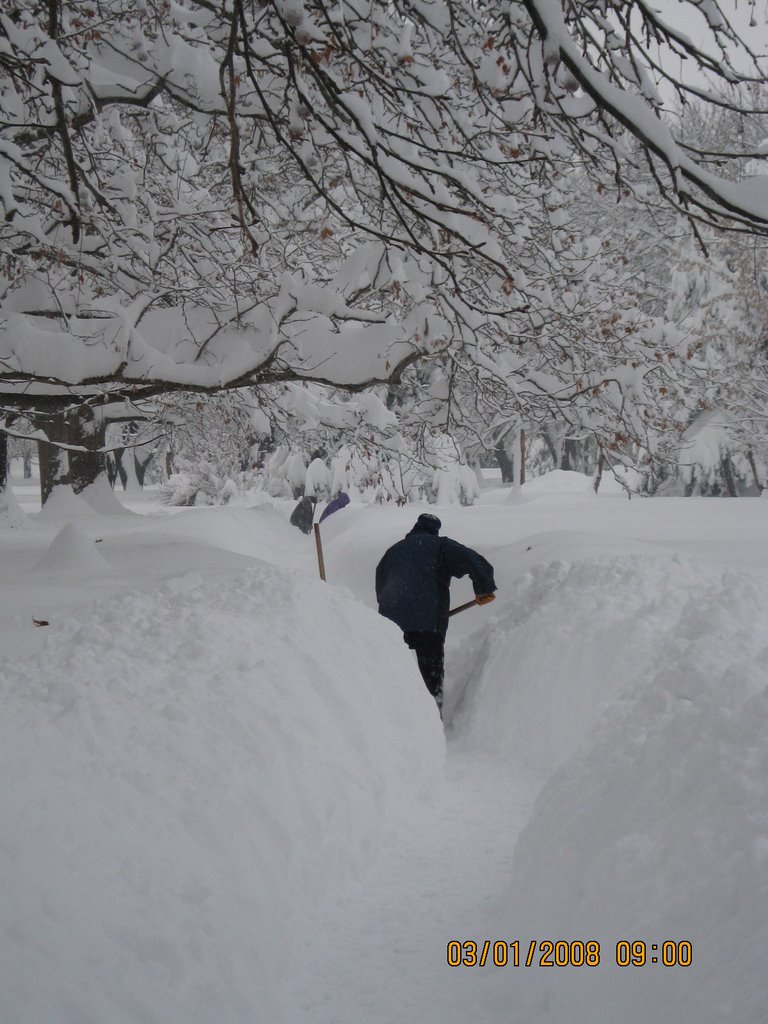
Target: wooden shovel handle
462	607
471	604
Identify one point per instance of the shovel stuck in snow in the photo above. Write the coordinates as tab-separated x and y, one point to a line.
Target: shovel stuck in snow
340	501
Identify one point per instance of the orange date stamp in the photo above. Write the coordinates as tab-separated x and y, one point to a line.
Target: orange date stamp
534	953
567	953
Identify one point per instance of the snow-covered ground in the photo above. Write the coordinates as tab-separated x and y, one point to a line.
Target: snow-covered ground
227	796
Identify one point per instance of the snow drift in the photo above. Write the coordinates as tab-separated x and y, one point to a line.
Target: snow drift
182	770
207	776
72	551
638	689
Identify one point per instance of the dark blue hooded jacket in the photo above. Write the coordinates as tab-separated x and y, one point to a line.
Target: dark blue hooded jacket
413	578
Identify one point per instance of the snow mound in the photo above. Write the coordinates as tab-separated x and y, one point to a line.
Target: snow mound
102	499
599	616
63	503
72	551
653	824
671	837
184	772
256	531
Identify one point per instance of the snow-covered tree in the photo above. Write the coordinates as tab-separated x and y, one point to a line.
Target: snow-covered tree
210	196
180	185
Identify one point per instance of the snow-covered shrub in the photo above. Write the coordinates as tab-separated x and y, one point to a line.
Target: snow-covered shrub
181	489
388	471
284	472
710	462
377	474
210	447
539	456
317	480
203	484
453	481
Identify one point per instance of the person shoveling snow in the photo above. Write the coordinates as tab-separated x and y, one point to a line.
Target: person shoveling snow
413	589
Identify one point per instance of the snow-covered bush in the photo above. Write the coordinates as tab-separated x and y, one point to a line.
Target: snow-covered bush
388	471
377	474
317	480
284	472
453	481
203	484
710	462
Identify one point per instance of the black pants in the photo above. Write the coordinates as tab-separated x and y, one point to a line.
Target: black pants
430	651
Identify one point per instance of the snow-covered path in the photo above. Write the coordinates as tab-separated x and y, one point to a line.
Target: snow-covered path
225	795
377	951
627	674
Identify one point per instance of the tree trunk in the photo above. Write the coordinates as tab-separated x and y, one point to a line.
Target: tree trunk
727	469
569	454
3	460
650	484
143	465
54	469
10	512
506	464
752	465
113	463
59	466
53	461
509	461
131	482
598	471
550	447
88	429
521	453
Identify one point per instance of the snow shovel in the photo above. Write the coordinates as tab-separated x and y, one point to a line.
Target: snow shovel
469	604
340	501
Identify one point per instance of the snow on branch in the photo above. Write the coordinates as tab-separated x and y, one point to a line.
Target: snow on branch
607	80
210	196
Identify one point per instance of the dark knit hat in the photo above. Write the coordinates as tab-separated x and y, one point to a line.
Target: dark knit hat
427	523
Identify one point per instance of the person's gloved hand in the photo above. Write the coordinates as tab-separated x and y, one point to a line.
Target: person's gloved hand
485	598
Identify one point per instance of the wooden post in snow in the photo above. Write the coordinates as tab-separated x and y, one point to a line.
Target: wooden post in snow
319	546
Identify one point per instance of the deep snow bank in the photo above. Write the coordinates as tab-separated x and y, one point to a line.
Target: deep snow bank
182	770
639	688
572	635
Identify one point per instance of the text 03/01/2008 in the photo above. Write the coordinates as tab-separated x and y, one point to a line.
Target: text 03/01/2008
535	953
562	953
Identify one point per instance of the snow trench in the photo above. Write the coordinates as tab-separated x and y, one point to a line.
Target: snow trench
224	795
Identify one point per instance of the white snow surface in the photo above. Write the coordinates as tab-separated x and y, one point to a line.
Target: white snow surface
227	797
185	768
